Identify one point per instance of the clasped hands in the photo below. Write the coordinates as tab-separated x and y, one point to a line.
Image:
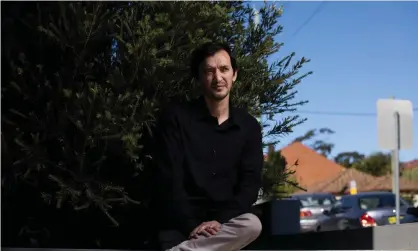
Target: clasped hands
206	229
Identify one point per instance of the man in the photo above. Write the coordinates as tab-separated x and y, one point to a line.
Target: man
209	163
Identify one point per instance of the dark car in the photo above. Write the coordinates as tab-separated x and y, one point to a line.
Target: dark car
312	206
411	215
362	210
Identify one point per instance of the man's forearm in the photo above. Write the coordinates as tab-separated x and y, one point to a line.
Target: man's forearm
169	158
249	177
241	203
178	208
247	193
174	198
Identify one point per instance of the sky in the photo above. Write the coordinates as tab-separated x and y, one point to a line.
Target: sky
360	52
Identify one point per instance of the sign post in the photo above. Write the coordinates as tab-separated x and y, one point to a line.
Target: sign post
394	124
395	168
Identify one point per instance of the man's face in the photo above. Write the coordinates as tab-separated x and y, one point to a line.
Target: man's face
216	75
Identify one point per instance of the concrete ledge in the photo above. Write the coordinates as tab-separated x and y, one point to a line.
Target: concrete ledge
45	249
396	237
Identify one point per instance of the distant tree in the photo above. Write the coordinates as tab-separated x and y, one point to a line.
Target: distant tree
348	159
307	136
376	164
320	146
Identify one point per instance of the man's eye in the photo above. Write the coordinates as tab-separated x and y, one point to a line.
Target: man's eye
224	69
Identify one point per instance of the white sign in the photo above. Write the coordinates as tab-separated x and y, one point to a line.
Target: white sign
353	184
386	123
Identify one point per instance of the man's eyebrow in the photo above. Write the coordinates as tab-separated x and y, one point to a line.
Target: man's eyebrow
209	67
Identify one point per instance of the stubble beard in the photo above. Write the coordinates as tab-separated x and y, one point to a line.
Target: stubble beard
218	96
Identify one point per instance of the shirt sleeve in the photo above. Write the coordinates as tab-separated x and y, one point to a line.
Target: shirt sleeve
249	181
170	174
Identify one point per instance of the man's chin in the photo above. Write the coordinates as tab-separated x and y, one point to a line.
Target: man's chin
219	96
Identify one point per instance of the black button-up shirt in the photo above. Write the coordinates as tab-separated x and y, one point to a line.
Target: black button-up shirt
207	167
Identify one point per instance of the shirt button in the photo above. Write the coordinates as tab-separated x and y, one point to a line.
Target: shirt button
213	174
214	152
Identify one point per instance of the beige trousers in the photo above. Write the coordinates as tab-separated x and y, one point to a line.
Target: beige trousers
234	235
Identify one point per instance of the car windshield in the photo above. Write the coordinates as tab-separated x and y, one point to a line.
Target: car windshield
314	201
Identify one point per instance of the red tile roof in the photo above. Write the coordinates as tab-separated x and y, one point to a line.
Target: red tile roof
336	184
384	183
312	167
316	173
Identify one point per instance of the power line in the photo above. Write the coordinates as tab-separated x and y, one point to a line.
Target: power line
356	114
352	114
314	13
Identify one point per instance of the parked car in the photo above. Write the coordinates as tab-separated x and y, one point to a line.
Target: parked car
312	206
362	210
411	215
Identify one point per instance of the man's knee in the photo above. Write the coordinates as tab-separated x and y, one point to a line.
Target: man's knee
251	225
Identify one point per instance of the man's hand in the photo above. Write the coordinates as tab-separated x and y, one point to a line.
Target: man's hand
206	228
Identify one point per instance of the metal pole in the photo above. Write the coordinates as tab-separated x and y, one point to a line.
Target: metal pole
394	161
396	166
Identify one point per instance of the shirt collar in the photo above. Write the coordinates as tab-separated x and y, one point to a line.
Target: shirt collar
202	111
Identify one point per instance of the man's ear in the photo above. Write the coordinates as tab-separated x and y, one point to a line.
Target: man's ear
234	78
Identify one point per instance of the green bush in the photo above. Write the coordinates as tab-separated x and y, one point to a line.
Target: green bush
83	83
278	177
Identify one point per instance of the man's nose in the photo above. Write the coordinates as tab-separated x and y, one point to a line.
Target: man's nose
218	75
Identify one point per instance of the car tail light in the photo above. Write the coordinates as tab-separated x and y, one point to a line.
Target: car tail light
367	221
305	213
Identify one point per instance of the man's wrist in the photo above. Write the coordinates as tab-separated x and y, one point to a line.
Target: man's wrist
227	215
189	226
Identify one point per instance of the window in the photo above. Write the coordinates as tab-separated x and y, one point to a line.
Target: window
379	201
369	203
315	201
343	203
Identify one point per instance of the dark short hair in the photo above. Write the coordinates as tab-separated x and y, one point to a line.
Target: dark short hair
206	50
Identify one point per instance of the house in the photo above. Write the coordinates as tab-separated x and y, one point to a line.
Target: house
413	164
384	183
316	173
311	167
364	183
339	183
